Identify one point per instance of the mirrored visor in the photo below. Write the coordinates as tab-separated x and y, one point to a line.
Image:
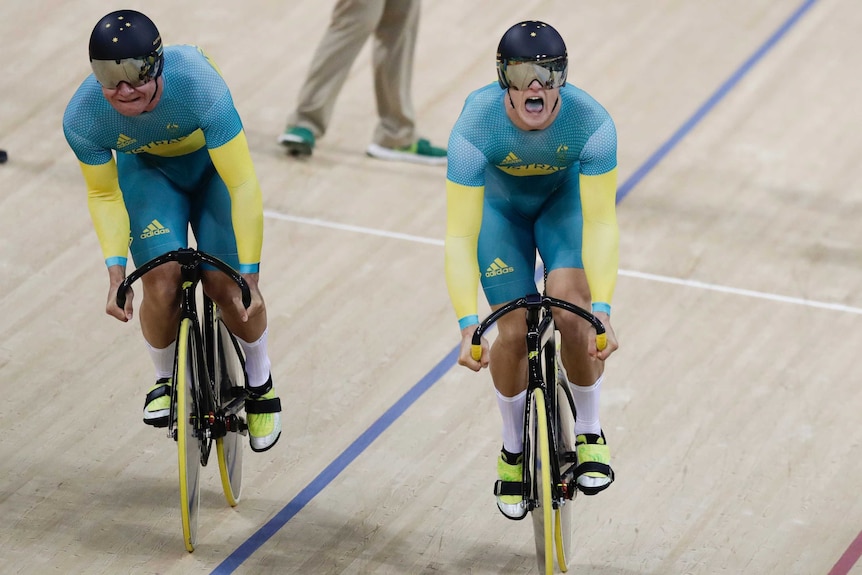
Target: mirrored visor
550	73
135	71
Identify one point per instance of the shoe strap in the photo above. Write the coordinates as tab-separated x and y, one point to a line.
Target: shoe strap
594	467
263	405
508	488
161	391
257	392
592	439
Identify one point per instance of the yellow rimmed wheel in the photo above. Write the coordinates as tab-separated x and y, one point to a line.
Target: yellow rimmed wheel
188	445
563	515
230	379
543	513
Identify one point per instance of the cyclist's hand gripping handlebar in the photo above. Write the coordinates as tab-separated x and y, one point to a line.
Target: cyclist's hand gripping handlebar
476	351
601	343
121	294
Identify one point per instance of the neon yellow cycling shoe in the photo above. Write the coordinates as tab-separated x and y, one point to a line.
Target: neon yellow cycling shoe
263	410
157	405
594	471
508	489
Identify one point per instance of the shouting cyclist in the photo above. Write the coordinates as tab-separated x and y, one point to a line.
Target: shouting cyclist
181	160
532	167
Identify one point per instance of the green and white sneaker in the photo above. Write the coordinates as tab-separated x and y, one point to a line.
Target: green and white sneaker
299	141
263	410
157	405
510	499
420	152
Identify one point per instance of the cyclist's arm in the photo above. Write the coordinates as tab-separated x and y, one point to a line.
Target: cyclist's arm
233	163
601	236
108	211
463	221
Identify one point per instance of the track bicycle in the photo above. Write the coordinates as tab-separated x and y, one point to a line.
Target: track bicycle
548	484
209	386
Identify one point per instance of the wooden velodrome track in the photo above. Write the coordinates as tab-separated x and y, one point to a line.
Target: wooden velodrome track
732	407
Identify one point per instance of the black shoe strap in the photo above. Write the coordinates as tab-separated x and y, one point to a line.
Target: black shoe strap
263	405
161	391
508	488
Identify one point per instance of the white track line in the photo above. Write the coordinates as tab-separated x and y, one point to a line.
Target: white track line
638	275
349	228
743	292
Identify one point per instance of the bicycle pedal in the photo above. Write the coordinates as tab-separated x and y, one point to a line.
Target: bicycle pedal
236	424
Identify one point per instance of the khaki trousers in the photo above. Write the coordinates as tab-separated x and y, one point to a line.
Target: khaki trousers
394	24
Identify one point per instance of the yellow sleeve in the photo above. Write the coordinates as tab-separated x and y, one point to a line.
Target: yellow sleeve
601	239
233	163
463	221
108	211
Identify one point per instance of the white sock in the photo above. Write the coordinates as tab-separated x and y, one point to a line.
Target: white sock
587	406
257	364
163	359
512	410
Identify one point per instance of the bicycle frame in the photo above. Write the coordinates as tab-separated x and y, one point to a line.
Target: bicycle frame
215	423
541	348
209	385
547	479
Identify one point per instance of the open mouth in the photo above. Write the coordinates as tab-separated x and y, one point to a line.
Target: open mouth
534	105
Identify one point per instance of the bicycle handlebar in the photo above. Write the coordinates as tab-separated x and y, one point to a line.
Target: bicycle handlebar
188	258
532	302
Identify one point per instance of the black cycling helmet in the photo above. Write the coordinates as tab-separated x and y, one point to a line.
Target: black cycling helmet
535	43
125	46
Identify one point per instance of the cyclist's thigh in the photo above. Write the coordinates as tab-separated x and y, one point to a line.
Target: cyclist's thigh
507	255
559	227
507	248
211	221
158	210
569	284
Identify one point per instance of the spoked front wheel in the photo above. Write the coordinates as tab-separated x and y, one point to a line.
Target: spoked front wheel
543	513
186	373
230	385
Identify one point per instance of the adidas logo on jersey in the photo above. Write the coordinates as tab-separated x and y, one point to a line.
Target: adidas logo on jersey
154	229
511	159
497	268
124	141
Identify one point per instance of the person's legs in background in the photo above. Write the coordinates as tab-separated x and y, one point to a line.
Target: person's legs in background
351	24
394	51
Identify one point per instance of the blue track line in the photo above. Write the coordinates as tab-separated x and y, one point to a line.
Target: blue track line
319	483
707	106
335	468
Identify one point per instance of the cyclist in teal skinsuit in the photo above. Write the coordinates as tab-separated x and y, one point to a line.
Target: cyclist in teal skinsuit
533	167
181	160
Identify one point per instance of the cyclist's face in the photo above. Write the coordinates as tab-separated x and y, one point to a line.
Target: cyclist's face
130	101
534	108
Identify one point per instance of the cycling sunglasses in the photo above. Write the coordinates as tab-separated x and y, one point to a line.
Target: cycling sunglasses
550	73
134	71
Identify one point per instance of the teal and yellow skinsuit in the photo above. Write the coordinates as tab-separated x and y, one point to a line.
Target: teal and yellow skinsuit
185	163
511	192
